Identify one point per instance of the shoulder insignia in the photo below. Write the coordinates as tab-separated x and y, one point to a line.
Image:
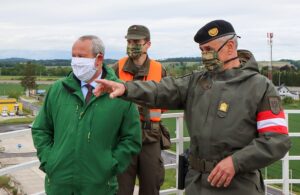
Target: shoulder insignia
274	104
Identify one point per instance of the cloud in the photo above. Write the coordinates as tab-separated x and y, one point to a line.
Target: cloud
51	25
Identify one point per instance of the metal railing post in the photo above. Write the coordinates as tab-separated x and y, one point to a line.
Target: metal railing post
285	167
285	174
179	145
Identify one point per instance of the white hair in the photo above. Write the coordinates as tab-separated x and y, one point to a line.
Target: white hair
226	37
97	44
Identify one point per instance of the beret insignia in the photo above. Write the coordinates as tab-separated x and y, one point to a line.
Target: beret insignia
213	32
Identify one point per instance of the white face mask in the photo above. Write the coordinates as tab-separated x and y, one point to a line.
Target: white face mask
83	68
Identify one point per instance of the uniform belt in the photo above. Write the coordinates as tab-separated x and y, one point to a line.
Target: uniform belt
149	125
202	165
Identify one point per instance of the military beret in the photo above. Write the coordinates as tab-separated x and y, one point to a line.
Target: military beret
213	30
138	32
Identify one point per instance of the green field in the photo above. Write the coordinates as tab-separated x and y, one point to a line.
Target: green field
6	88
38	78
14	121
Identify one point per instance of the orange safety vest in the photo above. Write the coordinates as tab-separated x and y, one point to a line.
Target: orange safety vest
154	74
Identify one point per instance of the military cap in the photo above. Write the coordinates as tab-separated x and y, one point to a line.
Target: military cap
213	30
138	32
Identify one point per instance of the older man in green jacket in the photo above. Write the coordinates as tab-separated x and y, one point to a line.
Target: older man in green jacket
233	114
82	141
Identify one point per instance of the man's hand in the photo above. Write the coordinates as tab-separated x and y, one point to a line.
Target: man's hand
222	174
113	88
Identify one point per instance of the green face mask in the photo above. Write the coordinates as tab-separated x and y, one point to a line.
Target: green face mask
135	50
211	61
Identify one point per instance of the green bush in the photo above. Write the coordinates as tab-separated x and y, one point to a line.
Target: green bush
288	100
4	181
14	94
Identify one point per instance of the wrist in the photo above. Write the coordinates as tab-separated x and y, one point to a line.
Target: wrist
125	89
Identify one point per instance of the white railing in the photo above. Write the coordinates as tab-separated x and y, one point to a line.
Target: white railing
179	141
286	181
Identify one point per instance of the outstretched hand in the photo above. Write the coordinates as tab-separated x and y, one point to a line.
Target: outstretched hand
114	89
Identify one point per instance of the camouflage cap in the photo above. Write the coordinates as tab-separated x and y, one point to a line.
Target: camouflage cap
138	32
213	30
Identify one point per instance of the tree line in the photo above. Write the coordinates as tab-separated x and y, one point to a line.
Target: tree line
286	77
174	68
36	70
11	62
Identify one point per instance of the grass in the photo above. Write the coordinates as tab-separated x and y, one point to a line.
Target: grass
38	78
10	77
170	179
294	105
4	182
17	121
7	88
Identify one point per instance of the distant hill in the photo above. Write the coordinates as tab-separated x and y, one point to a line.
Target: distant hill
55	62
14	60
181	59
63	62
294	62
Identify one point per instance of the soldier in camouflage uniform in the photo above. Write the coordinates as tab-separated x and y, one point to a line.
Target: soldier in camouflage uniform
148	164
233	113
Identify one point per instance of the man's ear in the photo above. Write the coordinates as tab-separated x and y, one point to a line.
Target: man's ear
149	44
99	60
231	46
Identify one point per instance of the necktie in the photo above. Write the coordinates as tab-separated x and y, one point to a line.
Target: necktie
89	93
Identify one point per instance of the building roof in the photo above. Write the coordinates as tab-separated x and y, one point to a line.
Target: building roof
8	100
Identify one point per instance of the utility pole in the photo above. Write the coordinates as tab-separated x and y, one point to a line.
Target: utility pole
270	41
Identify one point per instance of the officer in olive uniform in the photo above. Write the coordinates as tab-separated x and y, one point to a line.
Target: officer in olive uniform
233	113
148	165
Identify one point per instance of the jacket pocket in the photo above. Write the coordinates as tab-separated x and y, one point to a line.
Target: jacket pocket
49	163
151	135
114	168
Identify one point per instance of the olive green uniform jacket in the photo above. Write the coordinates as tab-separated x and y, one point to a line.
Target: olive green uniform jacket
216	132
82	147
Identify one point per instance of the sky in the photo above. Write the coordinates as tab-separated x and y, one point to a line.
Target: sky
47	29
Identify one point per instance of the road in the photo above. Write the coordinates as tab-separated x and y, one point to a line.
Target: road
273	191
7	128
29	105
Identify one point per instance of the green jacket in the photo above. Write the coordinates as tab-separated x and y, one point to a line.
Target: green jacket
88	144
216	132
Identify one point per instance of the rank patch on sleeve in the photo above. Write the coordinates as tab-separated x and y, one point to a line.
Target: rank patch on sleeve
274	104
